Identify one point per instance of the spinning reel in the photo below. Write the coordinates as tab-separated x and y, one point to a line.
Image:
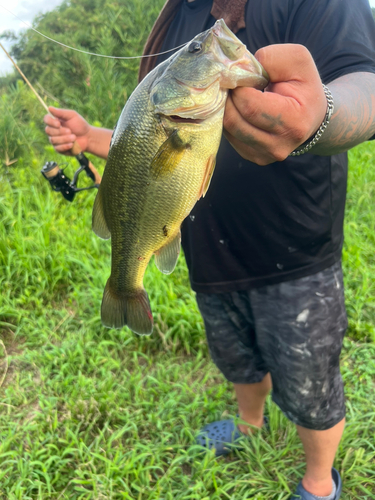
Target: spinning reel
60	182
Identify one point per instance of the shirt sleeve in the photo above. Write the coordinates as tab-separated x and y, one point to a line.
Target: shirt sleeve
340	34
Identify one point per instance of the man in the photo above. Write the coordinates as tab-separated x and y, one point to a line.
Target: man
264	245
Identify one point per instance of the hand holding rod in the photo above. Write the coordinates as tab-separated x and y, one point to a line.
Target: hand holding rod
76	149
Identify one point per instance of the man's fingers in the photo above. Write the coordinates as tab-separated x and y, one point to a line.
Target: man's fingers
64	147
62	139
258	108
51	121
234	119
247	139
52	131
257	151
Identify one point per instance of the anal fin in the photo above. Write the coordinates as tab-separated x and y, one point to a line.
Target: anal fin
166	257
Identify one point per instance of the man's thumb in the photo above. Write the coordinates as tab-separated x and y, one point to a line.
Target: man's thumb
287	62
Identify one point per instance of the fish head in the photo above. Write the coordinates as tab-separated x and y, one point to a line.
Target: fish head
194	82
242	69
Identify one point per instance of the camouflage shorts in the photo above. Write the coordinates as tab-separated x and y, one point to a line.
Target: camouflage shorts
294	330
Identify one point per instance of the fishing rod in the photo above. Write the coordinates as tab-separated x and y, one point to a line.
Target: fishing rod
51	171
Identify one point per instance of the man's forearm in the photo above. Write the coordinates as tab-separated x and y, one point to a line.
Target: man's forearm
353	120
99	141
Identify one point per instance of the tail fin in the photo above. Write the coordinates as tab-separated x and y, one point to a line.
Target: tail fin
132	310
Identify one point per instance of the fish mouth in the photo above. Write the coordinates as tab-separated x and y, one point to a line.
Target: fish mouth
235	56
180	119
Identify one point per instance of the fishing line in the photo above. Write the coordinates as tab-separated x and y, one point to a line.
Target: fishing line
84	51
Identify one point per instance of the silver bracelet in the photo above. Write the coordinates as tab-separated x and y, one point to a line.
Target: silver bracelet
301	150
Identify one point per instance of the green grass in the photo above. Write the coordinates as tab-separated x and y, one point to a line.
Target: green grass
359	256
90	413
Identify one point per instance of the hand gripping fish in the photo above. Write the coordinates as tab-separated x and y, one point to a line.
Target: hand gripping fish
161	160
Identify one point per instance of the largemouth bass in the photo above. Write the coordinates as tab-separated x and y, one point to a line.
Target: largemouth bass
161	160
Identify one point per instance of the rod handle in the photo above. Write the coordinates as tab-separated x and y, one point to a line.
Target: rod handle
76	150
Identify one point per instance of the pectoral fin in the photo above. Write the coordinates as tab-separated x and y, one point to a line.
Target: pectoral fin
166	257
210	167
99	225
169	156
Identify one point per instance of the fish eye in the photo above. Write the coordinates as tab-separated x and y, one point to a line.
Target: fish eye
195	47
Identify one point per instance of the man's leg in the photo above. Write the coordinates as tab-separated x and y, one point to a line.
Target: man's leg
231	339
300	326
251	399
320	449
320	446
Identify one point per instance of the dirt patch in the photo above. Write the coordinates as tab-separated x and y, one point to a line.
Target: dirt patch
12	344
12	365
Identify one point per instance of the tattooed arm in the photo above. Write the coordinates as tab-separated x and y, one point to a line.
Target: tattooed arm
266	127
353	120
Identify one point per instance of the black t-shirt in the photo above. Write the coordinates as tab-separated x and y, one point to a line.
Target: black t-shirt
263	225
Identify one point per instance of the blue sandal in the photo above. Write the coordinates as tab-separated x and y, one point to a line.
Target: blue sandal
222	435
302	494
